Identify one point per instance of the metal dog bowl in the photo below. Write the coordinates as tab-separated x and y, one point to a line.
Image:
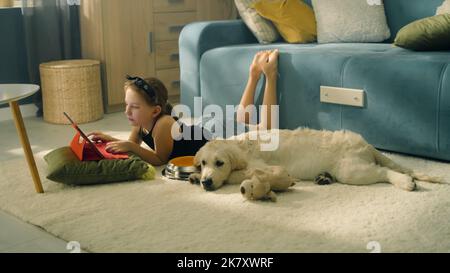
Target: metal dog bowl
180	168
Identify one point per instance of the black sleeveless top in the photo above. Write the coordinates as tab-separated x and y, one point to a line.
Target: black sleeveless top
186	146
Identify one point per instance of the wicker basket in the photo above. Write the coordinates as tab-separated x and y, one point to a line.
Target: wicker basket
72	86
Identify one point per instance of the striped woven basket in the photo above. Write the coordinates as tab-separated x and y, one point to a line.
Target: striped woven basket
72	86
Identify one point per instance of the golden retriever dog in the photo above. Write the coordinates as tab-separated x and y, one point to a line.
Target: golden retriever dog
305	154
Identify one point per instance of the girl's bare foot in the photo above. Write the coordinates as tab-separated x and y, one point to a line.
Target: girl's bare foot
270	65
255	67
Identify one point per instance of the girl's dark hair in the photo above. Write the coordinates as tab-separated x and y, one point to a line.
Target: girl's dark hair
161	94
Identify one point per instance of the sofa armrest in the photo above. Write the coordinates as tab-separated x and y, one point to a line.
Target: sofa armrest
196	39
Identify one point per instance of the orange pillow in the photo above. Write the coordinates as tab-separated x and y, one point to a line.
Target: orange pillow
294	19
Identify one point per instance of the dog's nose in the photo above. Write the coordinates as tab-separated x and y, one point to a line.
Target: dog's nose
207	183
242	190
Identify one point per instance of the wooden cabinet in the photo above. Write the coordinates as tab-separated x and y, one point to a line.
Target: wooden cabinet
140	37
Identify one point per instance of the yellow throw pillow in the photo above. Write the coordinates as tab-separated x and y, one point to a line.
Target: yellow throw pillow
294	19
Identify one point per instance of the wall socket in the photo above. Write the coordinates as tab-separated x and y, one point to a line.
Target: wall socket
343	96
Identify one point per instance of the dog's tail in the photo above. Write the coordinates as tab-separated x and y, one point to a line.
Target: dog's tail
384	161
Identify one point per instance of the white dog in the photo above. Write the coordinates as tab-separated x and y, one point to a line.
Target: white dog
304	153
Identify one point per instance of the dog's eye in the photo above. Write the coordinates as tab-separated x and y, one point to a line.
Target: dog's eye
219	163
203	162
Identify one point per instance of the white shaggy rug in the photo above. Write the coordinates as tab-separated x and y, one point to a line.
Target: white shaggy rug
174	216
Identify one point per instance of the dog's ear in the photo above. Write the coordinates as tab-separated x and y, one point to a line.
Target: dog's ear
198	159
237	161
258	171
262	174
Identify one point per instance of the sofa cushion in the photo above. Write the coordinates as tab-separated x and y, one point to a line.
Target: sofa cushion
403	89
263	29
399	13
432	33
350	21
294	19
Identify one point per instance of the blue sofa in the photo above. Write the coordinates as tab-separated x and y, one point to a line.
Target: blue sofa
407	93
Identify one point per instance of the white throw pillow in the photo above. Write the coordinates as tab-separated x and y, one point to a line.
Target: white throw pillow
263	29
444	8
347	21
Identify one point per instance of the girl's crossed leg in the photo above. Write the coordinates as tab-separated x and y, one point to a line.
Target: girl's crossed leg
264	62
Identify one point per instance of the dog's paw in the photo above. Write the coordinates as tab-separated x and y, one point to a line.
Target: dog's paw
407	184
194	179
324	179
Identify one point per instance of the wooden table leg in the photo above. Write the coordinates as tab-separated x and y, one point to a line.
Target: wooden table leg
26	145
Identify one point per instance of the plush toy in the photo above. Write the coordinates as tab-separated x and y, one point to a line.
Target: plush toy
263	183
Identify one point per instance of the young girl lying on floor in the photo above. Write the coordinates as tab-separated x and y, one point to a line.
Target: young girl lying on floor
150	115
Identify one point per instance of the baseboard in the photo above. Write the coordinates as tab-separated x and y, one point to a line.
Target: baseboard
27	110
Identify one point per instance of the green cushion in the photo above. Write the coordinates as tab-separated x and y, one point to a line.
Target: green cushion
429	34
64	167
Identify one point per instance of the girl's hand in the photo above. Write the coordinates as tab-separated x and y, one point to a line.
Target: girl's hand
101	137
119	147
